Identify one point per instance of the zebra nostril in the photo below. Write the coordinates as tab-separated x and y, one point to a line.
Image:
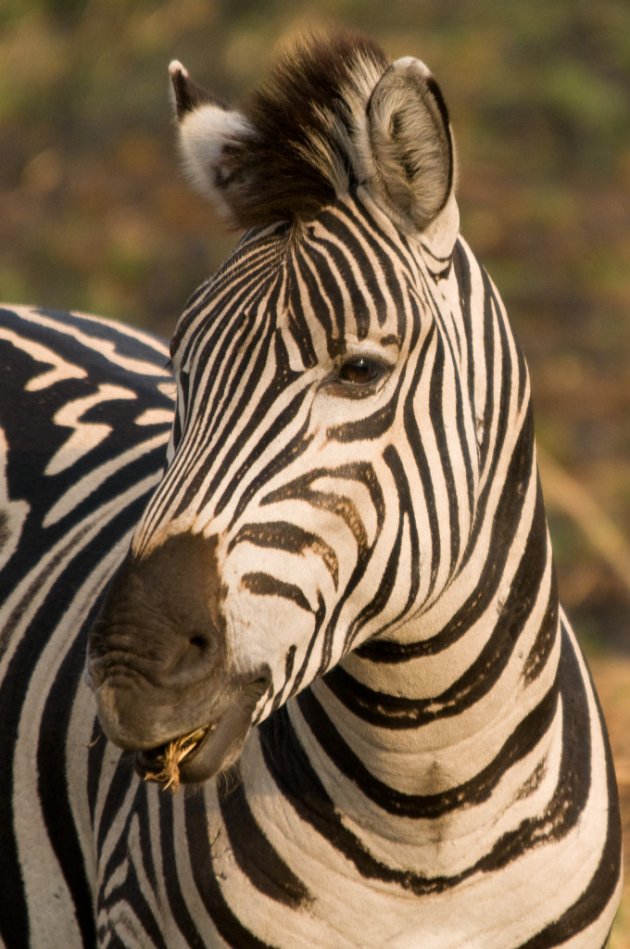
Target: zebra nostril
203	644
196	656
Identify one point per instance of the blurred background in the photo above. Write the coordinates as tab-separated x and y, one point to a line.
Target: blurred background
95	214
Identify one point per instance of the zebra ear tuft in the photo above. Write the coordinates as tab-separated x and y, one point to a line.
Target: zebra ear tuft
186	95
208	131
411	145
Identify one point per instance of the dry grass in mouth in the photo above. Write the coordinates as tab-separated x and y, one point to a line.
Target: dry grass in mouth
171	757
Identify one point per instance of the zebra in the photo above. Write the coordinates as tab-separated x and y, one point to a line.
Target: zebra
332	616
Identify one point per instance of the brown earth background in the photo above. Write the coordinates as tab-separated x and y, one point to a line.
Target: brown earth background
95	215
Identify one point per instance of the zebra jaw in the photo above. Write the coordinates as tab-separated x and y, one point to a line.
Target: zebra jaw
205	751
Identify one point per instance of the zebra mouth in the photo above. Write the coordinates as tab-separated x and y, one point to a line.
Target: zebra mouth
205	751
165	763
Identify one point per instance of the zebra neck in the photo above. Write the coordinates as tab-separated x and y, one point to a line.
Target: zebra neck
427	727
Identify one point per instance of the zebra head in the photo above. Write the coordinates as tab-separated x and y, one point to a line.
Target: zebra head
325	460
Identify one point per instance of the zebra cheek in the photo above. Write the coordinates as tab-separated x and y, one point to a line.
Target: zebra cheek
269	629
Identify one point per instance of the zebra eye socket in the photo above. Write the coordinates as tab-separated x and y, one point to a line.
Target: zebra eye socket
360	371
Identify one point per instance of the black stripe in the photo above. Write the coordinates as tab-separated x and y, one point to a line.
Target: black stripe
377	241
301	787
318	306
438	427
130	889
343	271
291	769
334	308
255	855
245	266
263	584
495	335
242	337
598	893
354	248
504	526
461	263
289	665
450	331
176	900
475	791
383	591
114	798
383	243
52	785
281	535
202	429
546	636
386	585
207	882
320	615
392	711
414	438
286	454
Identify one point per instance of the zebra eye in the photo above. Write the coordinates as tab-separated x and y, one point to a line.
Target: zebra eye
360	371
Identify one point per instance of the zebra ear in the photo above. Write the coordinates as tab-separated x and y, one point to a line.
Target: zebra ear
207	129
412	149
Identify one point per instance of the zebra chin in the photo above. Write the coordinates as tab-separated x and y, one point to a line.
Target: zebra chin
197	743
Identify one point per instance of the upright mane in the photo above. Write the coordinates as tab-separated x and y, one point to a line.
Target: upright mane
292	148
303	120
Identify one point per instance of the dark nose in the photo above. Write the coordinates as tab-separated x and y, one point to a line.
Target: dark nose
161	621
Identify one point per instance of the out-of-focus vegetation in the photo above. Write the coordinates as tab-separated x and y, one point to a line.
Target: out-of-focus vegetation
95	215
